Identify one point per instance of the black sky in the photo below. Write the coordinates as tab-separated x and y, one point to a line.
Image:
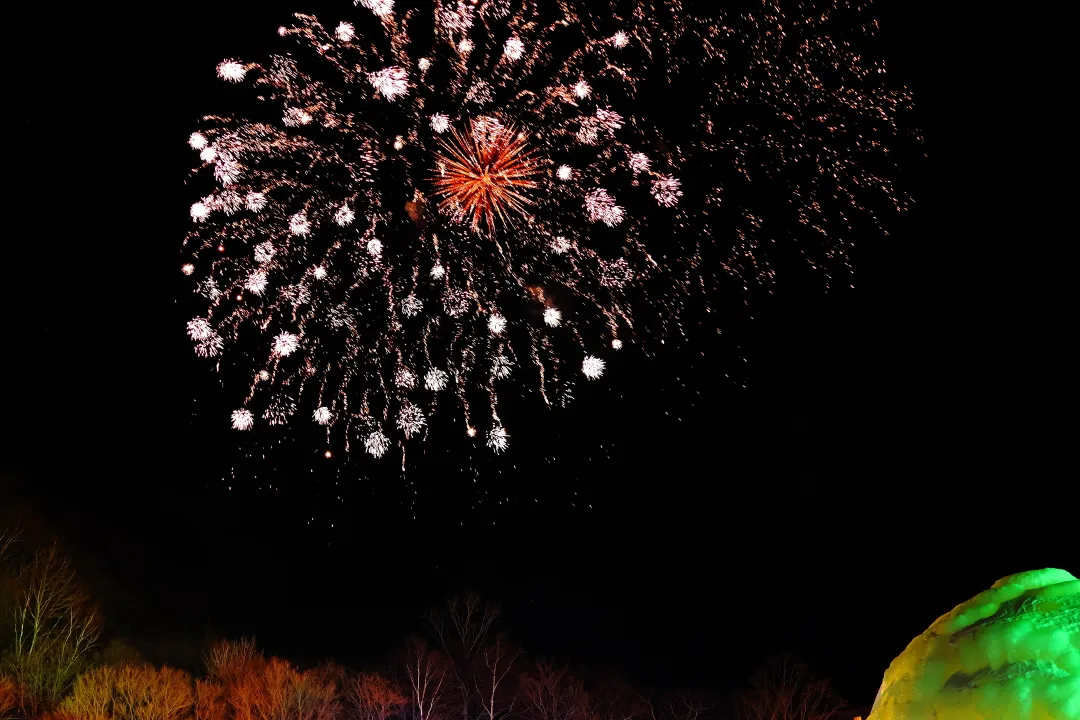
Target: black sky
879	468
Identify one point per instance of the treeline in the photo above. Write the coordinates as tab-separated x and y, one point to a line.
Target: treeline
53	666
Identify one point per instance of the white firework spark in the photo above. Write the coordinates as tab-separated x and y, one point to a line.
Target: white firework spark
199	329
208	154
187	269
376	444
437	271
501	366
410	419
496	324
560	245
264	252
592	367
344	215
381	8
322	415
197	141
514	48
280	409
231	71
285	344
405	378
411	306
374	247
582	89
620	39
230	202
552	317
256	282
242	419
345	32
616	344
199	211
666	190
435	380
299	224
255	201
210	347
565	172
498	439
391	82
639	162
615	273
319	272
440	123
456	303
601	207
296	117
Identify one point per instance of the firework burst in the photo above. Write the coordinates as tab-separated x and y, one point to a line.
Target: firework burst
475	191
485	174
370	310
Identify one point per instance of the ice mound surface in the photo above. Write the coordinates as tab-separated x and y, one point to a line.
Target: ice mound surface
1009	653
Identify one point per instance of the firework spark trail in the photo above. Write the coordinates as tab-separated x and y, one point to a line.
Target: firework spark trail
346	298
809	120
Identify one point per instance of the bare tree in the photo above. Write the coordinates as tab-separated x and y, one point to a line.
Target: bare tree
680	707
426	673
373	697
461	629
786	690
493	678
54	627
550	693
8	537
612	699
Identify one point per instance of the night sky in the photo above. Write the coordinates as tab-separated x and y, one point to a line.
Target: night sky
875	470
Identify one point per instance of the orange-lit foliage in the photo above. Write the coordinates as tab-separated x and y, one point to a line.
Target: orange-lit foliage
131	692
373	697
9	698
243	685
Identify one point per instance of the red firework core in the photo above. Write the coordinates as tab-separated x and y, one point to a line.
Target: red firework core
483	175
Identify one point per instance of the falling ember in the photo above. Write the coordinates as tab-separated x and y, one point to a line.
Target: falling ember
483	176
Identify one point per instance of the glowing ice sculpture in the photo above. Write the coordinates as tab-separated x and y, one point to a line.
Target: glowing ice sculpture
1010	653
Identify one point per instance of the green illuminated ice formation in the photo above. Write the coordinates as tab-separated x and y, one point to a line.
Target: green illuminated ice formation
1010	653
